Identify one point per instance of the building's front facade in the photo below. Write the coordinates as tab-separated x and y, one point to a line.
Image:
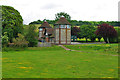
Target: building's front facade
61	34
62	31
45	32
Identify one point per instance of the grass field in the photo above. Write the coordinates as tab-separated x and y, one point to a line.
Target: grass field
88	61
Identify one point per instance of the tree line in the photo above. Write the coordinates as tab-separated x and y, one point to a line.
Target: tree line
79	23
105	31
76	22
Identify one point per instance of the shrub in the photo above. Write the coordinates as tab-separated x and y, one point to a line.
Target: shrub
98	37
19	42
5	39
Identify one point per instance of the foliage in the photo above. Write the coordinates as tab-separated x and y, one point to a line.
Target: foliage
12	22
118	33
99	37
75	31
19	42
87	31
4	39
31	36
80	23
0	23
107	32
10	32
66	15
36	22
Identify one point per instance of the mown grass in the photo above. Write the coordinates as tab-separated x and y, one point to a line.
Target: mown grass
96	48
55	62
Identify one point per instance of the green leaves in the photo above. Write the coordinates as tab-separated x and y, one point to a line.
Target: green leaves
87	31
4	39
12	22
107	32
66	15
31	36
20	41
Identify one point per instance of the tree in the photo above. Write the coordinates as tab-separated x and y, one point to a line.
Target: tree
66	15
0	23
87	31
12	22
75	31
31	36
36	22
106	31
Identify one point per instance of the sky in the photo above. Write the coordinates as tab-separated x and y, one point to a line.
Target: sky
85	10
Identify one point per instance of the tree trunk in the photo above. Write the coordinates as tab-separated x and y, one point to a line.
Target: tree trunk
108	40
99	40
86	39
105	39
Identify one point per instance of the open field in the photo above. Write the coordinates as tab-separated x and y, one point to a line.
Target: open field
89	61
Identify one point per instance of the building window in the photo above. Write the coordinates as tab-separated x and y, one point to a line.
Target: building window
68	26
63	26
40	29
57	26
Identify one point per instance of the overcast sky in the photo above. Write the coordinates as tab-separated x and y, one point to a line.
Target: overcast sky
85	10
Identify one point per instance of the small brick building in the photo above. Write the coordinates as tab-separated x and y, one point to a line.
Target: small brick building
46	32
62	31
61	34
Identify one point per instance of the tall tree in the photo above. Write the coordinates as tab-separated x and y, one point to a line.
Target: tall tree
87	32
75	31
106	31
66	15
31	36
12	22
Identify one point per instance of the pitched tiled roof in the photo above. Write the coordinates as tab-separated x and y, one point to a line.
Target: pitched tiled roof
50	30
62	20
45	25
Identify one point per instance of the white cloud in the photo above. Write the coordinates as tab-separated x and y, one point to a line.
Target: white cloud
91	10
50	6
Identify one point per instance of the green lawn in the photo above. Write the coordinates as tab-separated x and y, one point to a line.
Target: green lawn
94	61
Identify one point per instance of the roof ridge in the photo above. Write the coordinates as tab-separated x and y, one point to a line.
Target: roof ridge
45	24
62	20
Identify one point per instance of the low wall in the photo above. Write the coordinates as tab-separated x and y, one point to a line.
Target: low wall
45	44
